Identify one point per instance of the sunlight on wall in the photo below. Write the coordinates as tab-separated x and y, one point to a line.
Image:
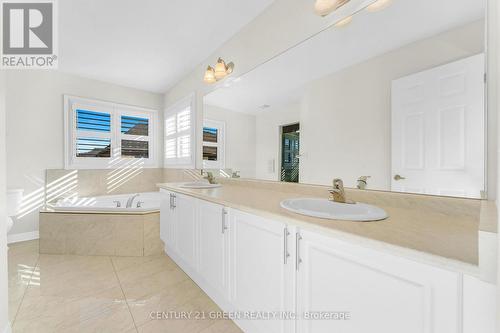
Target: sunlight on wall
127	171
59	188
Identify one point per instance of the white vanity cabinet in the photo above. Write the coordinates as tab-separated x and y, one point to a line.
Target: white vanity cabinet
178	225
380	292
262	271
213	246
167	218
185	228
311	282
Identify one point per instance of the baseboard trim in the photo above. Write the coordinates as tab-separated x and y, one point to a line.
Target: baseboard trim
22	237
8	328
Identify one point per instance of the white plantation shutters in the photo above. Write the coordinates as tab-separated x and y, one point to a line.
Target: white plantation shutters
179	135
103	135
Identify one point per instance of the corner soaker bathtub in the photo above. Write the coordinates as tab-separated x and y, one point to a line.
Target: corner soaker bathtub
148	202
97	226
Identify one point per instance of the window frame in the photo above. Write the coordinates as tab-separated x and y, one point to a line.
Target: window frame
115	110
175	109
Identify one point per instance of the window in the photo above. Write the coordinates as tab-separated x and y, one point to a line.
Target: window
213	144
179	134
108	135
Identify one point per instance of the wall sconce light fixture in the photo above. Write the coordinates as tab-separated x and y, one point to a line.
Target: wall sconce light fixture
220	72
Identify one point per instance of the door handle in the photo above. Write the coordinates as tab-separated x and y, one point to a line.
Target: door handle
285	245
224	214
298	237
399	177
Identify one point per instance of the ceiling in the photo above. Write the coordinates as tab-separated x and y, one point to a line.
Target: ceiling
146	44
280	80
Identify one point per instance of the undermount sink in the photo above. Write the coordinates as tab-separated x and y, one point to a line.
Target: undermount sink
326	209
200	185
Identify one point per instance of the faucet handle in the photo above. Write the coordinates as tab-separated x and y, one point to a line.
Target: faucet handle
338	183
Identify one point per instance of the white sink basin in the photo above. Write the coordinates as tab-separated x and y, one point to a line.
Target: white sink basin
200	185
326	209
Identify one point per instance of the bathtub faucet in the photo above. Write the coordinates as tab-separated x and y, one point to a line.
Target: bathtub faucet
130	200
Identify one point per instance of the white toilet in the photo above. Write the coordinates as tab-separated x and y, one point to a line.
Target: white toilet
14	198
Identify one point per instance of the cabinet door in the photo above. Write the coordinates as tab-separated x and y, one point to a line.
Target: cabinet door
212	230
261	279
185	228
380	292
167	219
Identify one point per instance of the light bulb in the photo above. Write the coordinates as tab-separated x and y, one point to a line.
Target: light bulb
344	22
325	7
220	69
378	5
209	75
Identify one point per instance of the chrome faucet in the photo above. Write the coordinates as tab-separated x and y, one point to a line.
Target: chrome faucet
337	194
363	182
130	200
210	177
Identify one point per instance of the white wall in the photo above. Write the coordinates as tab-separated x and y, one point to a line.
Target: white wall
346	117
268	138
282	25
493	107
3	214
35	128
239	138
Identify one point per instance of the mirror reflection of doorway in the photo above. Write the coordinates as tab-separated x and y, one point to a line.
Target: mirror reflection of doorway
290	147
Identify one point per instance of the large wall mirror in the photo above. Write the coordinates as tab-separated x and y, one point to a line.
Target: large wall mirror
389	100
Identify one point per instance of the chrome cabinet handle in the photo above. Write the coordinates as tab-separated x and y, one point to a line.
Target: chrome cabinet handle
399	177
285	245
298	237
174	198
224	213
171	201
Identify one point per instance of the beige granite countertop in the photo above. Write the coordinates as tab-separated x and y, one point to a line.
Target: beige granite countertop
436	230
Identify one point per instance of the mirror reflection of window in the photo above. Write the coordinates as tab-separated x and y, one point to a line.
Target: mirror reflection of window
209	153
290	146
213	144
210	134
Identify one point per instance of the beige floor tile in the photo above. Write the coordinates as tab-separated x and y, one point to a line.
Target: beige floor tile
72	276
135	268
22	259
171	299
175	326
104	312
66	293
151	284
222	326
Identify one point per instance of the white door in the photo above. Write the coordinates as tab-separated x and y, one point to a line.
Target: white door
438	130
167	219
185	228
365	291
262	278
212	229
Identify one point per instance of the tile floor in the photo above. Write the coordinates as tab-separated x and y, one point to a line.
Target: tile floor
64	293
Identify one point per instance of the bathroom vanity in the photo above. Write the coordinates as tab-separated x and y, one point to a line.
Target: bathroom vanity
254	258
384	103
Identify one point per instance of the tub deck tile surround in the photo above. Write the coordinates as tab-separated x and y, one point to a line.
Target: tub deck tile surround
68	293
100	234
438	230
